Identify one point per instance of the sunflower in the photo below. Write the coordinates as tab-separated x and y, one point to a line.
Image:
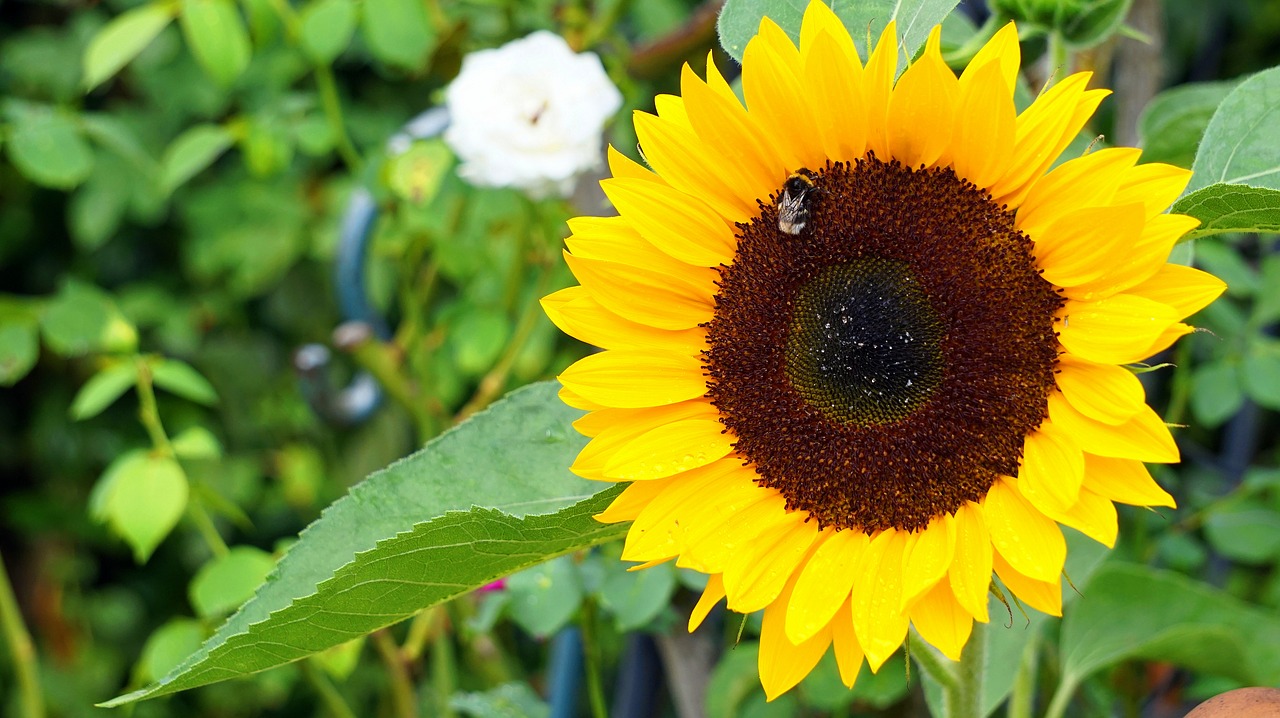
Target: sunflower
863	347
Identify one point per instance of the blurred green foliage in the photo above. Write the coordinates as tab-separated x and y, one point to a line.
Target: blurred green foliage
172	182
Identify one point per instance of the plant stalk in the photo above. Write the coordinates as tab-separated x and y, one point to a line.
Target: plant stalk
591	656
25	666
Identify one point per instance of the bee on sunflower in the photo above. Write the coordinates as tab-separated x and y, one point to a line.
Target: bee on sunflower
851	426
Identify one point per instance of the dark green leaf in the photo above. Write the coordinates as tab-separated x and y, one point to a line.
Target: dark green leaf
1173	123
103	389
327	27
509	700
1231	208
733	681
1262	372
544	597
1242	143
48	149
179	378
81	318
637	597
740	19
19	349
478	339
1247	531
1216	394
120	40
1134	611
1224	262
96	210
414	535
191	152
1093	21
398	32
217	36
227	581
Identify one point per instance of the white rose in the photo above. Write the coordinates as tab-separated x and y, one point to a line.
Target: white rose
529	115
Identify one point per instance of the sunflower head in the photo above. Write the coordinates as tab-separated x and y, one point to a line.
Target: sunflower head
863	347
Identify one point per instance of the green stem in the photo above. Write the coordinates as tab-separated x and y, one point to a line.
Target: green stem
931	662
402	696
1059	57
1180	384
444	679
149	415
1061	698
591	656
31	699
333	112
1024	683
967	698
329	695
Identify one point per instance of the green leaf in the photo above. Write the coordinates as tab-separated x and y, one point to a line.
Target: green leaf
1174	121
48	149
120	40
96	210
167	647
327	27
179	378
1242	143
416	174
489	497
19	349
1133	611
82	318
142	498
478	339
1230	208
1216	394
734	679
196	442
1094	21
1261	372
217	37
103	389
224	583
509	700
398	32
1247	531
740	19
1228	264
637	597
544	597
191	153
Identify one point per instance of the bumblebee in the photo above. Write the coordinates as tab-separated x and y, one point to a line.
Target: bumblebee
793	205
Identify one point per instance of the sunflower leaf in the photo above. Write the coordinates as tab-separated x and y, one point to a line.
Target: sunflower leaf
1241	146
1230	208
740	19
412	536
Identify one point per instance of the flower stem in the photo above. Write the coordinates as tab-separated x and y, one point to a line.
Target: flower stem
31	700
329	695
1024	683
402	695
591	655
333	113
966	699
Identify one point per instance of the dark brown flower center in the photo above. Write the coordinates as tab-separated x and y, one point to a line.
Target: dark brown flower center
883	365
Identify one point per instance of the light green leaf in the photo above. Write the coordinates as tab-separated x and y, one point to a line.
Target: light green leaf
416	174
81	318
1093	21
191	152
414	535
1216	394
227	581
19	349
544	597
1242	142
740	19
1261	372
179	378
398	32
120	40
1247	531
103	389
327	27
509	700
167	647
48	149
1133	611
216	34
142	499
1230	208
1173	123
478	338
196	442
636	597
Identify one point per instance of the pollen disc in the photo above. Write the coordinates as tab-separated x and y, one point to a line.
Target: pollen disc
885	365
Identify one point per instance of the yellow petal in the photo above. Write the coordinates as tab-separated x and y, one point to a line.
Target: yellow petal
877	594
840	112
1124	480
643	295
1103	392
983	148
1078	246
733	135
681	225
1143	437
1116	330
775	97
670	449
676	152
1002	47
824	583
820	19
1052	468
783	664
1030	541
755	576
633	499
845	644
922	110
1044	596
1093	516
634	378
659	530
877	87
970	571
711	595
1081	182
1154	184
629	423
1139	262
671	107
573	399
730	525
1186	289
927	556
622	166
579	315
942	621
